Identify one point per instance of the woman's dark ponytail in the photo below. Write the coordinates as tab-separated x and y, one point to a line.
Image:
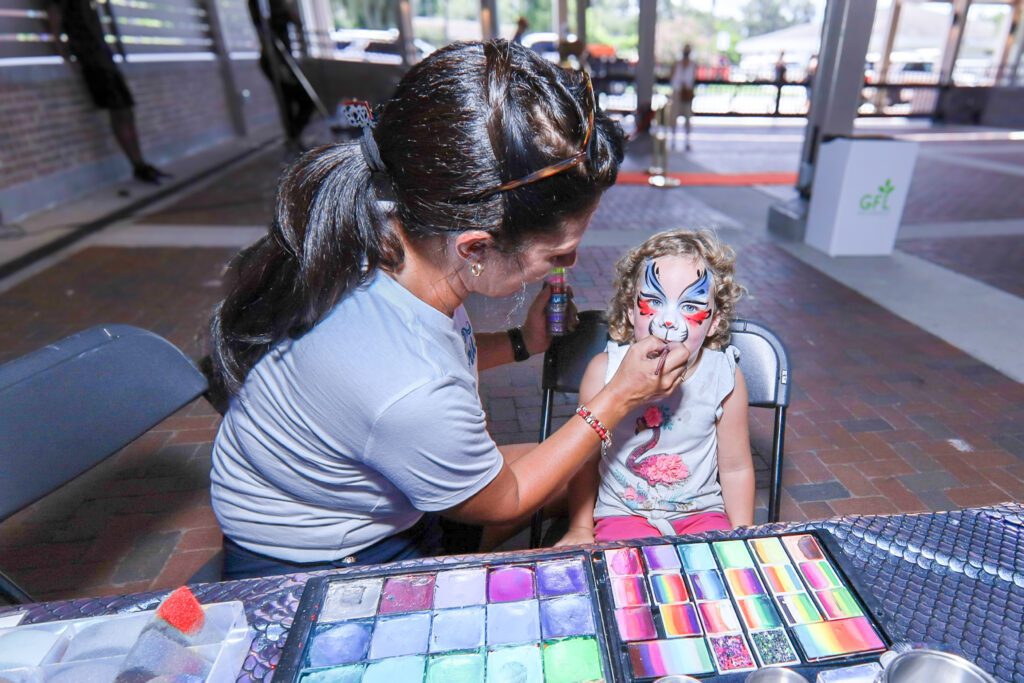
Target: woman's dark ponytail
330	231
468	118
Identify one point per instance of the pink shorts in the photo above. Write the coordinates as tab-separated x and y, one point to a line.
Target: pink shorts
632	526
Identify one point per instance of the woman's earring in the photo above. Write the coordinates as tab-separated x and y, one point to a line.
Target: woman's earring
476	268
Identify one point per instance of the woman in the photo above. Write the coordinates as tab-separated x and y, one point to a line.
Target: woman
343	341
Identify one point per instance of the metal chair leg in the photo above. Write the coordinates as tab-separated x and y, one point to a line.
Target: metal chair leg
12	592
537	522
775	488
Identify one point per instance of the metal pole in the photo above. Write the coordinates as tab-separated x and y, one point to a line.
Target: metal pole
405	34
954	39
489	19
581	21
1011	46
886	61
562	27
645	66
227	68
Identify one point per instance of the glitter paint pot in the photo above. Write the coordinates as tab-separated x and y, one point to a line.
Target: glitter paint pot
558	303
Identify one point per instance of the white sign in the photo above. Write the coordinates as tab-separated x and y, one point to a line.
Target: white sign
860	189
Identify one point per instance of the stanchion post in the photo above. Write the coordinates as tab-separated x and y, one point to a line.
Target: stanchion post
659	151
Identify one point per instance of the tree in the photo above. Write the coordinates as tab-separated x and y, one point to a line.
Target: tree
765	16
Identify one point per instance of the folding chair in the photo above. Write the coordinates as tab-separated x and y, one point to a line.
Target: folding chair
763	360
765	366
73	403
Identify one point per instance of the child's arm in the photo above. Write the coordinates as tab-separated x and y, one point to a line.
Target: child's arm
582	491
735	465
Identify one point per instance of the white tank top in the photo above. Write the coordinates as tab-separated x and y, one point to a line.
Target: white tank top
663	463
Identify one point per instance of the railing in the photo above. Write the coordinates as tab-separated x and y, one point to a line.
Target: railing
767	98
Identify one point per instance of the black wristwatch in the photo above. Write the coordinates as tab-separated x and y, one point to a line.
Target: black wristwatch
519	350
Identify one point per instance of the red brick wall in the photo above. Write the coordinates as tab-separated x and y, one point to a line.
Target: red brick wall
50	127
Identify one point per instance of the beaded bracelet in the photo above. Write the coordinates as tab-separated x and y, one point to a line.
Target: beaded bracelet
596	425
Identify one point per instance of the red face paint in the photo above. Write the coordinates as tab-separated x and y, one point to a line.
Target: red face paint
645	306
699	317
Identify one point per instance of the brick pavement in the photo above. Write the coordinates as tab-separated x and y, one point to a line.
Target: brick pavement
944	192
884	418
995	260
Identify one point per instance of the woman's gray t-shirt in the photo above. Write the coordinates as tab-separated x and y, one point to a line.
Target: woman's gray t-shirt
346	435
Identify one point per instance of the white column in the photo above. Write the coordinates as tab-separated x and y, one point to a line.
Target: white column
890	40
953	41
317	24
645	65
840	77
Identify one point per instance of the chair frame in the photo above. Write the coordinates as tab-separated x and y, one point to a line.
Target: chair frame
777	399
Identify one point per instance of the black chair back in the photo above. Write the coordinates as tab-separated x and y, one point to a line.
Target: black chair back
73	403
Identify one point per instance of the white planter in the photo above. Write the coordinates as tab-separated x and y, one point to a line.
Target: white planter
860	189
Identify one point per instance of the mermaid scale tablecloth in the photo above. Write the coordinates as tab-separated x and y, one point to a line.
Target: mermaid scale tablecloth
951	579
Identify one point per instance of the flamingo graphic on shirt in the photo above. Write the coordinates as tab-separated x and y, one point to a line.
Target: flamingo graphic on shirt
658	469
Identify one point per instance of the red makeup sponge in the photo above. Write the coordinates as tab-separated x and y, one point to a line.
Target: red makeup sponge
182	611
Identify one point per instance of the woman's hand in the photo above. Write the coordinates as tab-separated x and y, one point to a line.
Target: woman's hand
535	329
577	536
651	370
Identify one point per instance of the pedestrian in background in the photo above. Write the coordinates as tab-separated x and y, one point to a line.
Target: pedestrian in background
683	81
87	44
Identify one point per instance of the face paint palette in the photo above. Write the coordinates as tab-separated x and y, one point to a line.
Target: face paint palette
532	621
708	609
664	606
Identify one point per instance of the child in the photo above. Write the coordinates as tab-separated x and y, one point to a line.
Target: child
682	465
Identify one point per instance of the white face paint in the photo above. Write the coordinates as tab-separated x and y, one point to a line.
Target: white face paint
674	301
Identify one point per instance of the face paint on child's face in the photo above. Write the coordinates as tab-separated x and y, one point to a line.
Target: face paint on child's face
674	301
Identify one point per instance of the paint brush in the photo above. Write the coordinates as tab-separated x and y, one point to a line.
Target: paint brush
663	354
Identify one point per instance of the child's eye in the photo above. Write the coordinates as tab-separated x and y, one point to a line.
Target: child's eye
646	306
689	308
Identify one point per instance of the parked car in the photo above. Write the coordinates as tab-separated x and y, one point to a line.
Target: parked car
378	46
545	44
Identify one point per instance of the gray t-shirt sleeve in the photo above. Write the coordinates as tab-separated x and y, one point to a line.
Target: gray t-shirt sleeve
432	444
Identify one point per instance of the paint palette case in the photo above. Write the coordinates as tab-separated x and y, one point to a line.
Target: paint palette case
531	619
713	608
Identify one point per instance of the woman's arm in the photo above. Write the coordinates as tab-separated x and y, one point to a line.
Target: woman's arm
524	485
583	487
735	464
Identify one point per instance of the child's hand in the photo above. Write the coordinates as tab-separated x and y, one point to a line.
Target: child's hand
577	535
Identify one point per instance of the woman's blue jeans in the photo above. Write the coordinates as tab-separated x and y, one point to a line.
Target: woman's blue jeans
423	539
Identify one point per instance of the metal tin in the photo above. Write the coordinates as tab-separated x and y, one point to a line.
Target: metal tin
775	675
930	666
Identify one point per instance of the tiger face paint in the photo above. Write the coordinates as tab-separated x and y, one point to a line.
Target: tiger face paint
674	301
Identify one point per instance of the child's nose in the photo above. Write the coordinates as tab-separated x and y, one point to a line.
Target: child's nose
668	324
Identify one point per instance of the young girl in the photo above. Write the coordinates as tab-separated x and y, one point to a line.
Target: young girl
682	464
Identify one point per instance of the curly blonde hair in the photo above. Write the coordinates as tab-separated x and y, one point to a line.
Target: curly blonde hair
704	246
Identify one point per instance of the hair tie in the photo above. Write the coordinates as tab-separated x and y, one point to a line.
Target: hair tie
371	154
357	114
